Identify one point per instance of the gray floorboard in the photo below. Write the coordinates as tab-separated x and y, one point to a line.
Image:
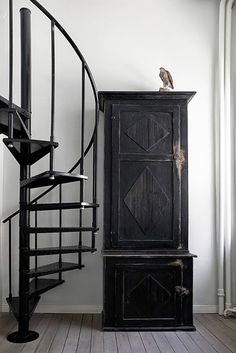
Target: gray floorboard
79	333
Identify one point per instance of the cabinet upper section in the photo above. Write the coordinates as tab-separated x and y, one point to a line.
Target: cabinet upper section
146	170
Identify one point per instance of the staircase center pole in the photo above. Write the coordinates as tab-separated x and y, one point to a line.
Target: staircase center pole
10	114
24	173
23	334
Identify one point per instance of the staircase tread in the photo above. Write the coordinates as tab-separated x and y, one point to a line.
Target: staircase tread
42	285
63	205
28	151
59	229
17	126
31	142
14	305
4	104
44	179
53	268
63	249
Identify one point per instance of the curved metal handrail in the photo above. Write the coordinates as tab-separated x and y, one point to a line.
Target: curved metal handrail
91	79
72	43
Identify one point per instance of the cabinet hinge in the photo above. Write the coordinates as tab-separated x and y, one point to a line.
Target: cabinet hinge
112	236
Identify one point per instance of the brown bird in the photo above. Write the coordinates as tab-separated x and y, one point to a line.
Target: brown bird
167	80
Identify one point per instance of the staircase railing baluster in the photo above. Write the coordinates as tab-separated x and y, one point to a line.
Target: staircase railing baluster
95	178
10	127
52	94
82	121
60	233
36	244
82	161
10	264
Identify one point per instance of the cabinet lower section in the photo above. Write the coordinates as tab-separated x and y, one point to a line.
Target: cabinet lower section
148	292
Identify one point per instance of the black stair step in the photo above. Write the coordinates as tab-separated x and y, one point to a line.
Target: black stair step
53	268
14	305
60	206
62	250
35	230
28	151
42	285
51	178
20	116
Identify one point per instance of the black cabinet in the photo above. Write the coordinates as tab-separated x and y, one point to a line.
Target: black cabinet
146	210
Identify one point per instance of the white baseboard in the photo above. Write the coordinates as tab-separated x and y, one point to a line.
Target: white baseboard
63	309
96	309
208	309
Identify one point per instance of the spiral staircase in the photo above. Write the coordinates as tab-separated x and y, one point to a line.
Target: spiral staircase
15	123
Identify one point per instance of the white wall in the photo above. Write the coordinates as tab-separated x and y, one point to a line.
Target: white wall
125	42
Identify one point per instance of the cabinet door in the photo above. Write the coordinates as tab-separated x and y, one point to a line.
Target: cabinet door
142	292
147	164
148	294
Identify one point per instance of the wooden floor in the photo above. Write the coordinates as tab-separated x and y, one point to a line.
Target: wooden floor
82	334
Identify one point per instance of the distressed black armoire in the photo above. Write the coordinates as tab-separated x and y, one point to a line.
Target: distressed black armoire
147	264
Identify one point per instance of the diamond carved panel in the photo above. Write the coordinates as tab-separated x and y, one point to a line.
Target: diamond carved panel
147	133
150	295
146	200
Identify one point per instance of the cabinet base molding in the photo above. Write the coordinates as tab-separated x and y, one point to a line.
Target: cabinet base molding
151	328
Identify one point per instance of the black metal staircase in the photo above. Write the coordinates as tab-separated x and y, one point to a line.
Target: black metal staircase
15	122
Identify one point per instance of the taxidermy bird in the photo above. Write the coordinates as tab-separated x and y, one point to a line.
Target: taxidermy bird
167	80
